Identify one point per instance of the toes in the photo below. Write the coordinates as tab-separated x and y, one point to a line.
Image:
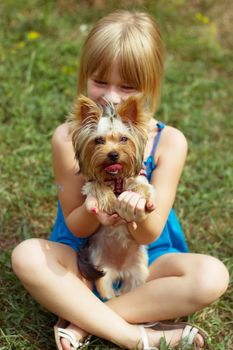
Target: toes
65	344
199	341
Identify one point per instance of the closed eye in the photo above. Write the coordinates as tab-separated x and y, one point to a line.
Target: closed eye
100	82
127	87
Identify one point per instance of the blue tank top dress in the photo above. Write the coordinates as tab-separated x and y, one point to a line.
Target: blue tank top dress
171	240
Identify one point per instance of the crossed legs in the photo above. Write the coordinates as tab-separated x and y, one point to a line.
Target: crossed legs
178	285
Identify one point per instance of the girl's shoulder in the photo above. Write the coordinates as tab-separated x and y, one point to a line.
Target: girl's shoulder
173	137
61	134
172	143
62	148
61	140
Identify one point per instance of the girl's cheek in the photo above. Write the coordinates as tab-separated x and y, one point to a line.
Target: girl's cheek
94	93
91	94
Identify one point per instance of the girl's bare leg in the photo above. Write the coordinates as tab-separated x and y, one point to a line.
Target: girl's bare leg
51	277
178	285
49	272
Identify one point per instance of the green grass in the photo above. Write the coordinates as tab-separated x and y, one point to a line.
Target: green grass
38	84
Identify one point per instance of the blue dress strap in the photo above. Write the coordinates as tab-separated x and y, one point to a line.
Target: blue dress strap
150	163
160	127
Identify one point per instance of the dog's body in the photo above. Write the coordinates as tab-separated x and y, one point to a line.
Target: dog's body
111	160
113	249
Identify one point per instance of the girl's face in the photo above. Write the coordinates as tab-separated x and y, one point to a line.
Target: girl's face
114	89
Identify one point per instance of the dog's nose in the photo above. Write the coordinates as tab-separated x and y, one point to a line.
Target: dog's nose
113	156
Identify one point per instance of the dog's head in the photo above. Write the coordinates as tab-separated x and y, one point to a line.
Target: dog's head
109	142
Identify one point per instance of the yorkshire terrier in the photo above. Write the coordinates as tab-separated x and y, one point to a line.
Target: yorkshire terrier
109	144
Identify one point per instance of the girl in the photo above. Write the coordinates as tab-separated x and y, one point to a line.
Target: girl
122	55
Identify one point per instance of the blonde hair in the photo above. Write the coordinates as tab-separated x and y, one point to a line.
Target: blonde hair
133	40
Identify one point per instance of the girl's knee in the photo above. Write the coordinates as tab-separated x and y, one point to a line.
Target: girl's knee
27	258
210	281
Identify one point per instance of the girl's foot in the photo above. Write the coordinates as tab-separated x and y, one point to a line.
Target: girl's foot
69	336
172	337
78	333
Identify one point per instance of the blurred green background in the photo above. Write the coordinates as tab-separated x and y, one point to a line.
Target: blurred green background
40	44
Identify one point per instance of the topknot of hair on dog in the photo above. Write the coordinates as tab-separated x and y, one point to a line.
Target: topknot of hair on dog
109	110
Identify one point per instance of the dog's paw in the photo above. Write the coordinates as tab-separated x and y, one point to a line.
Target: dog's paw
141	185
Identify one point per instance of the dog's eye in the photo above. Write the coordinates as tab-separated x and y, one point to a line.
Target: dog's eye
123	139
99	141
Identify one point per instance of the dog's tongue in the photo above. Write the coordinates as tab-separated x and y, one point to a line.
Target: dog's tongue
113	168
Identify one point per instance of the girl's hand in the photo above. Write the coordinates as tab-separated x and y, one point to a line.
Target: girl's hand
104	218
133	207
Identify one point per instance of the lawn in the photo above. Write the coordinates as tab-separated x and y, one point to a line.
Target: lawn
40	43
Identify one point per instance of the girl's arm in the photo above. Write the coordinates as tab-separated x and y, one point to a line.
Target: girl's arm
170	159
69	184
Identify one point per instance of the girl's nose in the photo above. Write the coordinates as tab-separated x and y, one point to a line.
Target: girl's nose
113	97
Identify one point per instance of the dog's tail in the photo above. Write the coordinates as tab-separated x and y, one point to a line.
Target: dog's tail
86	268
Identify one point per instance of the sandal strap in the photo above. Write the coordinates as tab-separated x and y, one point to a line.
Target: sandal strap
151	324
69	335
144	339
189	333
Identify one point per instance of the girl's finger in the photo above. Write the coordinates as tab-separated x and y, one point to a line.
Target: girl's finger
123	196
119	222
114	216
132	205
122	200
132	225
140	209
150	206
91	204
127	204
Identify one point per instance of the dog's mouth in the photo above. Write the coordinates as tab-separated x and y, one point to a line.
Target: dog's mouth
113	169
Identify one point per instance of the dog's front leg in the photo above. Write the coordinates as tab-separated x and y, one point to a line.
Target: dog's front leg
104	195
141	185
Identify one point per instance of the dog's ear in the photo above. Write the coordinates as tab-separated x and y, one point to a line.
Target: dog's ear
132	110
85	108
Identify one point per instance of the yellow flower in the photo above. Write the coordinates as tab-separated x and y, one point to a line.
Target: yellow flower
200	17
68	70
32	35
20	45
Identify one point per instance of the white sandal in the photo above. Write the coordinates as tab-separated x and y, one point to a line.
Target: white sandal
60	331
187	338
